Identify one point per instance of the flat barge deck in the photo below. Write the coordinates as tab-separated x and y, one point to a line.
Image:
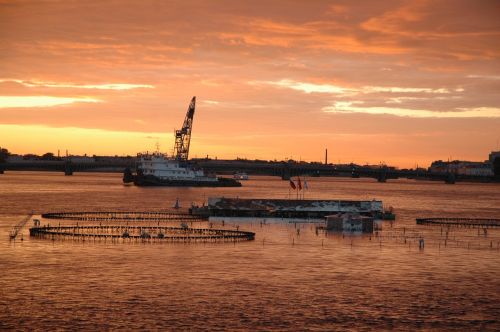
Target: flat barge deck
283	208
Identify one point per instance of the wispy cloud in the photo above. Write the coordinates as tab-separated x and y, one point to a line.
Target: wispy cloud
104	86
485	77
354	107
303	86
41	101
211	102
395	89
335	89
404	99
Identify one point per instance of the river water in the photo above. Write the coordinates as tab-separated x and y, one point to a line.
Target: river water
284	280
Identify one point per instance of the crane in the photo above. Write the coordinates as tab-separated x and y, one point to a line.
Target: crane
183	136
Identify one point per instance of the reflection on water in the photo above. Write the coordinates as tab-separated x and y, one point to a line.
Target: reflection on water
292	277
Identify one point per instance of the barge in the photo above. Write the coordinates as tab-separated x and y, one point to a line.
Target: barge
284	208
157	169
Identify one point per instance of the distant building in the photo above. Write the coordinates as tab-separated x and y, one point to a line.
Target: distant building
476	169
460	167
493	155
440	166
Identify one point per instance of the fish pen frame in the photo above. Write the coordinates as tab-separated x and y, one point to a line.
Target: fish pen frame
460	222
123	216
156	233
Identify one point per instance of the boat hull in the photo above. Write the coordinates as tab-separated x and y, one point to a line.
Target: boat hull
149	181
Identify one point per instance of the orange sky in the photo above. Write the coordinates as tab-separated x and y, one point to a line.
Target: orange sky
400	82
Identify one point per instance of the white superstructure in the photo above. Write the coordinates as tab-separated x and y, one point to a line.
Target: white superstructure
165	168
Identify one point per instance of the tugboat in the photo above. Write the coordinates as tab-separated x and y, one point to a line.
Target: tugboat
157	169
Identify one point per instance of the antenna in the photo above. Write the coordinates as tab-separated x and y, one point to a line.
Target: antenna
183	136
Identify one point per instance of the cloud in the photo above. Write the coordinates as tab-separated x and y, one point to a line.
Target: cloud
419	61
41	101
485	77
350	107
307	87
400	100
303	86
211	102
105	86
370	89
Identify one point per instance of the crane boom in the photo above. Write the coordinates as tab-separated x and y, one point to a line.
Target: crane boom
183	136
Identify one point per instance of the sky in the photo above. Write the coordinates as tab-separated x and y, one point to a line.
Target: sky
396	82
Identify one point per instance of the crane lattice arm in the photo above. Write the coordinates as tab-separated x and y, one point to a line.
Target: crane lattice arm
183	136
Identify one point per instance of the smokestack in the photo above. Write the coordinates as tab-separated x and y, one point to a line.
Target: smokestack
326	156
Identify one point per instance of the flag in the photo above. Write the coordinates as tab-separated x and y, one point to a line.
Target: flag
292	184
305	185
299	184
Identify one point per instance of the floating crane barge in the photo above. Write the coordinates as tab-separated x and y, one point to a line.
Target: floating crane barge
158	169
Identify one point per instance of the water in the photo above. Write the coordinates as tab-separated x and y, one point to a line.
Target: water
280	281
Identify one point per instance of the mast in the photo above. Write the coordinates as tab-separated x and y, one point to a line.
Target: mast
183	136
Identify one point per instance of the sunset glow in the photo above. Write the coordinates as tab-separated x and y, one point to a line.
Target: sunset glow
40	101
402	82
108	86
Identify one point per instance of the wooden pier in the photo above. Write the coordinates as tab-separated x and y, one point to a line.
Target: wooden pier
461	222
146	233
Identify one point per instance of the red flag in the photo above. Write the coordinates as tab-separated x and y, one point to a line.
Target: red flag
292	184
299	184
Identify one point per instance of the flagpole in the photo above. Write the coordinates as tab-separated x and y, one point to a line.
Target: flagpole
306	187
292	185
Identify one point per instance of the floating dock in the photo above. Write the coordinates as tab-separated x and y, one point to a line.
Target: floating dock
284	208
